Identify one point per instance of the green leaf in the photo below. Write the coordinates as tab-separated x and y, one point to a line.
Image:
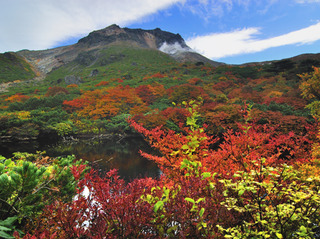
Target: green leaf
158	205
303	229
264	222
201	212
2	228
166	192
211	185
7	162
5	235
228	236
206	175
172	229
200	200
185	146
9	221
241	192
190	200
279	235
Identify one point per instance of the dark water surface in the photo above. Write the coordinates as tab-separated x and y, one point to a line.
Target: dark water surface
103	154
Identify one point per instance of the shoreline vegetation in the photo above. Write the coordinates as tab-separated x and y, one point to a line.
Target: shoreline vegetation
76	137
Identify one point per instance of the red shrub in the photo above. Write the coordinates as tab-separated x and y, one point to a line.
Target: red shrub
55	90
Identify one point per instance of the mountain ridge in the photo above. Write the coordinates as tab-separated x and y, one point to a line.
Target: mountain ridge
147	38
91	47
47	60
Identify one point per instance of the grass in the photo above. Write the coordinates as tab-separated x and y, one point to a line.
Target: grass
130	64
14	67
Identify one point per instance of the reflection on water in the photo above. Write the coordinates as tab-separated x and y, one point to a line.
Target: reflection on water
102	154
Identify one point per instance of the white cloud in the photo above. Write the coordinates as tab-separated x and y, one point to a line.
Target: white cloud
40	24
173	48
242	41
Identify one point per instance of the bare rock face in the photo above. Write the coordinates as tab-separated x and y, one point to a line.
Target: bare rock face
69	80
47	60
145	38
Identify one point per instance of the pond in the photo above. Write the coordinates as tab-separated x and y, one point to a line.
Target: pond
102	154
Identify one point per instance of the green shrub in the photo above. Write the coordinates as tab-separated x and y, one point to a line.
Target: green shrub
30	185
63	128
39	103
118	124
285	109
273	202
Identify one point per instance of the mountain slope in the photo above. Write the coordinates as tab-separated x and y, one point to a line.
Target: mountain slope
47	60
13	67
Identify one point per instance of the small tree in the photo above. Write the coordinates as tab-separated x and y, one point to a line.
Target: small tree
33	181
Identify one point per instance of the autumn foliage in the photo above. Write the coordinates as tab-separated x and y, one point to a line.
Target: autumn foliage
239	156
104	103
17	98
55	90
254	181
239	149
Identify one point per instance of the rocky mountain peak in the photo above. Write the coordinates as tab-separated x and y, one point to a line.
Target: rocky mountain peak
145	38
112	30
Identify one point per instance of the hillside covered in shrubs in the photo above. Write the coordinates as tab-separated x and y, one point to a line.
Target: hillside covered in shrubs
98	99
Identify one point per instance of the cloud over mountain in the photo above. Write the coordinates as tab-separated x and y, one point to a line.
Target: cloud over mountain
41	24
216	28
245	40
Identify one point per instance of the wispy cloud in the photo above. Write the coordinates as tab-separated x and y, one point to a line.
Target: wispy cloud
208	9
40	24
243	41
308	1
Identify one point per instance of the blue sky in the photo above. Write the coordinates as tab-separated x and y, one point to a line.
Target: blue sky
230	31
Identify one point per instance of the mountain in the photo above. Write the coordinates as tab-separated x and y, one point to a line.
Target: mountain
172	44
115	44
146	38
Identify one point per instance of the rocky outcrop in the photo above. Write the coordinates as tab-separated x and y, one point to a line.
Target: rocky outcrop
70	80
93	73
47	60
145	38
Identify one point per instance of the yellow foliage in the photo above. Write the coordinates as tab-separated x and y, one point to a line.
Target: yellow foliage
72	86
310	87
310	169
23	115
275	93
223	78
